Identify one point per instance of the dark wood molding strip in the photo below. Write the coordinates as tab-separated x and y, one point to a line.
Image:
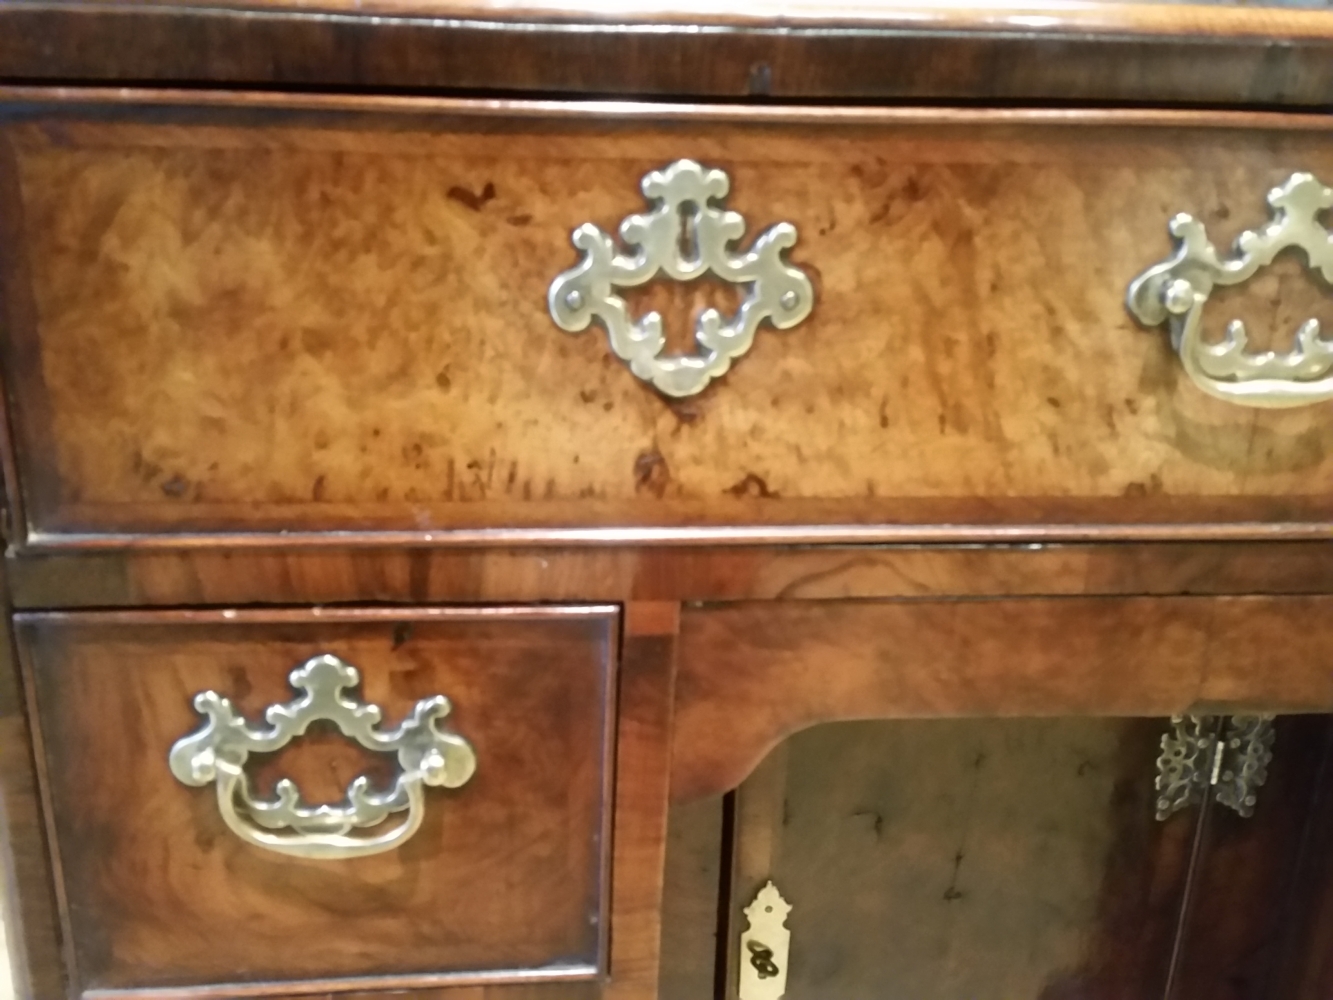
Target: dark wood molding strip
1158	54
110	103
220	578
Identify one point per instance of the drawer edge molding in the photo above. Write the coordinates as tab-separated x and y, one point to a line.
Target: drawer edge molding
887	533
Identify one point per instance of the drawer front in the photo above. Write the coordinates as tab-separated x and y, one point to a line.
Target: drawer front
503	880
332	315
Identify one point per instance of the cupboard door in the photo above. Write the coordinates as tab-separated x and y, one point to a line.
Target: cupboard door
1021	859
967	859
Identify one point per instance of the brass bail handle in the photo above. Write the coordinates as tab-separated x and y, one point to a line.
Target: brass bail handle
218	750
1175	292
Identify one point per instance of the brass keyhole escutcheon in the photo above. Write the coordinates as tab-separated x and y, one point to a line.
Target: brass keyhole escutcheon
767	943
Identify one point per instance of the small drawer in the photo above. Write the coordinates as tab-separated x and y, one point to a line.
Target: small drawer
489	868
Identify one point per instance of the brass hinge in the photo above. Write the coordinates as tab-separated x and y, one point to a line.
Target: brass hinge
1203	754
764	946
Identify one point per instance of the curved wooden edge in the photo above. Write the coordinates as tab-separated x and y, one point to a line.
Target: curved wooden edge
752	674
1054	17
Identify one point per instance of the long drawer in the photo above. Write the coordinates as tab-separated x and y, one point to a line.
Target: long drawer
244	315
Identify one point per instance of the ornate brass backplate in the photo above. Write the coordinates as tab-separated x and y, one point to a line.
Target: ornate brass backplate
1176	290
217	752
681	192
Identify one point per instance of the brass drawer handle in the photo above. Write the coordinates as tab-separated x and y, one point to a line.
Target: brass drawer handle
218	750
679	194
1177	289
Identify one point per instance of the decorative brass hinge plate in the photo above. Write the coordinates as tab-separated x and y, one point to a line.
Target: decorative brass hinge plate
1203	754
764	946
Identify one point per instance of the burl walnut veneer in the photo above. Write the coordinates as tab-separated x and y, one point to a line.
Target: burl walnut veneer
392	610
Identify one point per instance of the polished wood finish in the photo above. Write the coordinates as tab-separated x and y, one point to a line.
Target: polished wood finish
794	665
290	299
1014	859
1040	52
505	880
203	576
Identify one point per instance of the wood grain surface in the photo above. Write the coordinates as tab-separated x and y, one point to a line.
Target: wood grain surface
796	664
337	321
505	881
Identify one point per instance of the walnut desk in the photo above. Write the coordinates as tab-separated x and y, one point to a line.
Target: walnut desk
568	502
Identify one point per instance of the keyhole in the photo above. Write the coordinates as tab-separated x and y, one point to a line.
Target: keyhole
761	957
687	239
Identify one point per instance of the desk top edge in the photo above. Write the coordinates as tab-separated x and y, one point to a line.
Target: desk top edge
1035	52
